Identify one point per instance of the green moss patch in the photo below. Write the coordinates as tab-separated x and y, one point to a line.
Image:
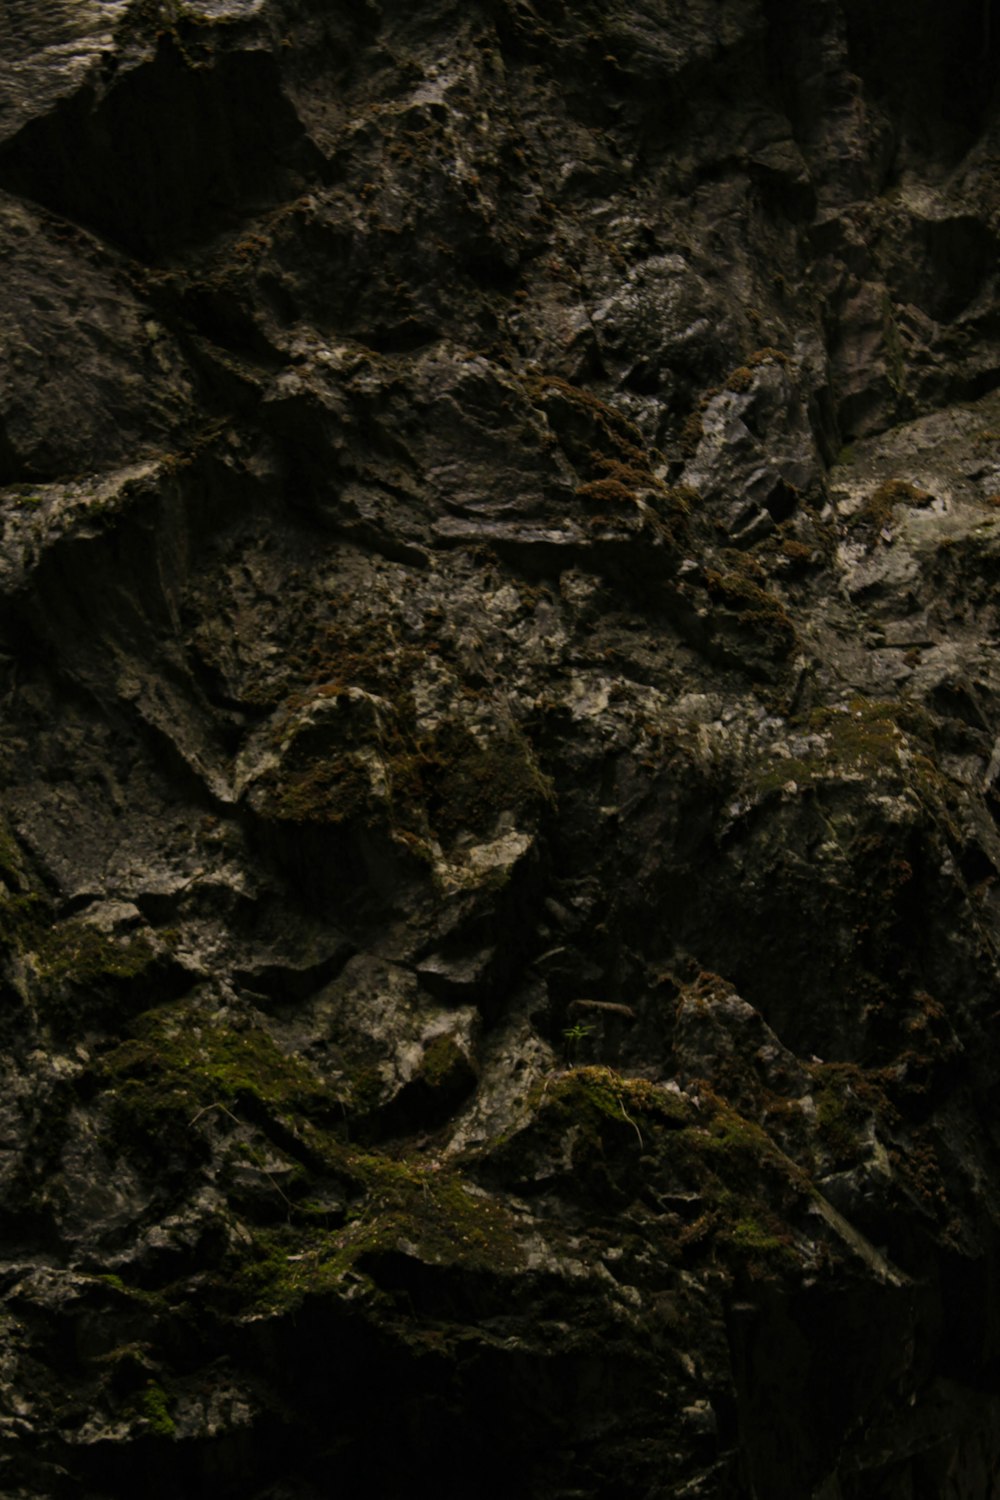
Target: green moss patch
11	860
595	1094
421	1210
639	1138
153	1403
181	1061
866	737
444	1065
840	1122
76	973
184	1068
78	953
764	1243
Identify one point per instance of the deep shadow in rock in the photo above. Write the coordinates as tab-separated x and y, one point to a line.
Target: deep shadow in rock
167	154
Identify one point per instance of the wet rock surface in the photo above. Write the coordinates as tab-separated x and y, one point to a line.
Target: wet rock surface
501	764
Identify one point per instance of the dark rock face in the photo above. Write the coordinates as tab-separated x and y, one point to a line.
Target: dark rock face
499	841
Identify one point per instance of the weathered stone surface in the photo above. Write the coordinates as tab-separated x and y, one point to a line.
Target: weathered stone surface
498	828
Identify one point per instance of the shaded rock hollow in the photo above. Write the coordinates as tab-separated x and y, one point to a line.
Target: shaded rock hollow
499	831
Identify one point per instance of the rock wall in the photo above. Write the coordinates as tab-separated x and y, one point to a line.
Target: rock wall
501	760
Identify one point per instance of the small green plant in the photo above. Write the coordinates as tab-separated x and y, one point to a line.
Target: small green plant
573	1036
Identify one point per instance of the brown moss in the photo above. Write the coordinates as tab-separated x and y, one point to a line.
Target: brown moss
635	475
419	786
590	430
691	433
742	378
608	493
739	380
865	732
755	608
795	553
326	791
470	783
878	509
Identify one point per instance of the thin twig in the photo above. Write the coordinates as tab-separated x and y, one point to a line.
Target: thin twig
629	1118
220	1106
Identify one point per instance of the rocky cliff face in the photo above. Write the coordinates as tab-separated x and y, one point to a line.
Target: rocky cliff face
501	776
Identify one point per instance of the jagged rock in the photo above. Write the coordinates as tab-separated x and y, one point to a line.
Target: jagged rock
499	823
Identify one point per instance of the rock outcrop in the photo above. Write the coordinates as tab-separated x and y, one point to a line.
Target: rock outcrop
499	599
